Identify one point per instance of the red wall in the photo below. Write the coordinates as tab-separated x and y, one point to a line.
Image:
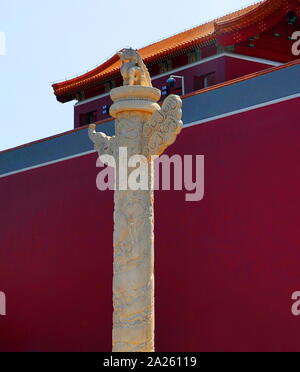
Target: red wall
235	68
226	266
95	105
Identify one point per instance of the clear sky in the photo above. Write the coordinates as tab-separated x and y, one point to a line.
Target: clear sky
51	40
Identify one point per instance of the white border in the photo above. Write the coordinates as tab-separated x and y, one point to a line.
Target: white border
2	44
186	67
232	113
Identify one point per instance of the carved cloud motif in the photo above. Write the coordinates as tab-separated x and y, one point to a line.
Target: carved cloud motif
163	127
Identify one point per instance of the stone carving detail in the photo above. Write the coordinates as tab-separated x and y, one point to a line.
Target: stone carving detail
144	128
103	143
133	282
133	69
163	127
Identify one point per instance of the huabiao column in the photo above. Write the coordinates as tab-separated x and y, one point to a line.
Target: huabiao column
142	127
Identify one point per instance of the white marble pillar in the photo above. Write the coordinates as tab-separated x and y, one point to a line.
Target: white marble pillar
142	127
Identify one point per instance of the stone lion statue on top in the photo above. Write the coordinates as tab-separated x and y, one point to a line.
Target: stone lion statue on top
133	69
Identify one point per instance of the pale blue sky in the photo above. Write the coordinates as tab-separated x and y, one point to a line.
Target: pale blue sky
50	40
